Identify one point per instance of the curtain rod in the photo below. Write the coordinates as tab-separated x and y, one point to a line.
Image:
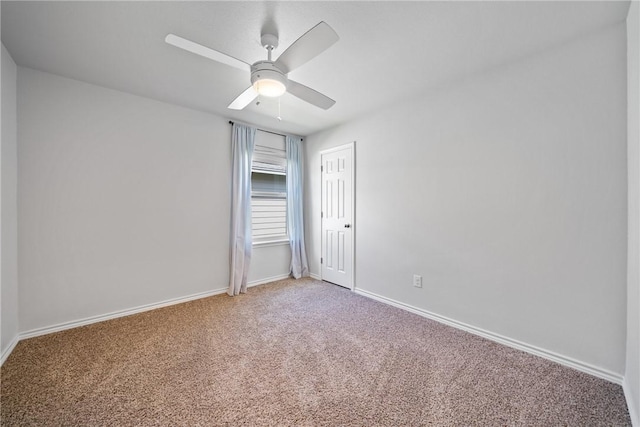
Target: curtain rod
262	130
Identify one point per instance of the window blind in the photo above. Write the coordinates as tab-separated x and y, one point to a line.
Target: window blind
268	218
270	160
269	154
269	189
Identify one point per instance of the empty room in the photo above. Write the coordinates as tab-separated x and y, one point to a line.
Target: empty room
305	213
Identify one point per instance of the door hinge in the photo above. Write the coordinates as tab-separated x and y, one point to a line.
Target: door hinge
321	214
321	168
321	260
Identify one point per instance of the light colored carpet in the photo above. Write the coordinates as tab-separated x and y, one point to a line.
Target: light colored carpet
297	353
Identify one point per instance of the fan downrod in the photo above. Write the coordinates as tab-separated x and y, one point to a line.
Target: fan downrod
269	42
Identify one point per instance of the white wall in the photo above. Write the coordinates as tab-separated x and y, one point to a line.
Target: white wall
123	201
9	247
507	193
269	263
632	374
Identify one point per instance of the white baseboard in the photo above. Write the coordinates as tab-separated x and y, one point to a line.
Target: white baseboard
537	351
9	349
631	405
268	280
121	313
315	276
563	360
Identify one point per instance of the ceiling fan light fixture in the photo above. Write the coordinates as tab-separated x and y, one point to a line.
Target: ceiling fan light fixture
269	87
268	80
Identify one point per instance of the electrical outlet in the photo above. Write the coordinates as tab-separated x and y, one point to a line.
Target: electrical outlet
417	281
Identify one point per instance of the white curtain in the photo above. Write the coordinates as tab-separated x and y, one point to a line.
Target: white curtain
295	224
242	140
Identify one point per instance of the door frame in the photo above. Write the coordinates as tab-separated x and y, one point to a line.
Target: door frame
352	147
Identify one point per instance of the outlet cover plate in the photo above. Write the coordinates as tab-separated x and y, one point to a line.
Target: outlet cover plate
417	281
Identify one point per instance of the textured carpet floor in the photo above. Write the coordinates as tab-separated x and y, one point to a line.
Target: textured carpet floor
291	353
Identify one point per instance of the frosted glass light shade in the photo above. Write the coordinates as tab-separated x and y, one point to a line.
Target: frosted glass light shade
269	87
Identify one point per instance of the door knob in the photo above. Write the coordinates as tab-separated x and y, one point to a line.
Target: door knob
347	226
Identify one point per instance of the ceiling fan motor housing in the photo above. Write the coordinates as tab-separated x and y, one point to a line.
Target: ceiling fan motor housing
267	79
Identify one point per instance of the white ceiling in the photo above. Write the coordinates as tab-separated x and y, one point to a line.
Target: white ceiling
388	51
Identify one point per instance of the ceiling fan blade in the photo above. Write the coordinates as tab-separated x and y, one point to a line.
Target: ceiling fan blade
309	95
244	99
308	46
198	49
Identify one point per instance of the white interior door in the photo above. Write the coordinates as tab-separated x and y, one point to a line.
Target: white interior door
337	215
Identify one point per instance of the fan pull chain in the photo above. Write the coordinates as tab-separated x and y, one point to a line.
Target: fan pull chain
279	116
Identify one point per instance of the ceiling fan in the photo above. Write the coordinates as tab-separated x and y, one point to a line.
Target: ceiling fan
269	78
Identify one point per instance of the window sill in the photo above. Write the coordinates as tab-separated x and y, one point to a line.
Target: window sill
271	243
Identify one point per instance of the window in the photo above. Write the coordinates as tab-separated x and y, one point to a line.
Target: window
269	189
